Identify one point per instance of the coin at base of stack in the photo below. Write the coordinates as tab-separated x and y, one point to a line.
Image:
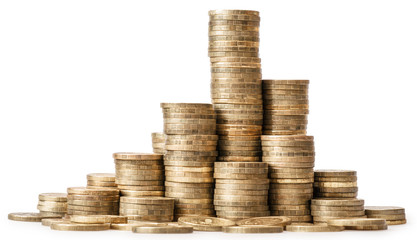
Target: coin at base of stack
158	142
335	184
326	209
392	215
157	209
87	201
101	180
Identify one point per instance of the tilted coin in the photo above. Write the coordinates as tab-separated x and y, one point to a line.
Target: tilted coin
308	227
162	229
79	226
253	229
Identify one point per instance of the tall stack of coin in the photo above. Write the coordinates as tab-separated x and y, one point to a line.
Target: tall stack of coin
158	209
291	161
158	142
285	107
101	180
325	209
139	174
190	146
241	190
52	204
335	184
87	201
236	86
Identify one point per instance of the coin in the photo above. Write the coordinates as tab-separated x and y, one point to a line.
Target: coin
205	223
266	221
335	184
98	219
26	217
367	228
56	197
337	208
93	203
62	226
337	202
336	189
101	184
162	229
308	227
132	193
335	195
334	173
351	222
253	229
385	210
48	221
388	217
103	177
147	200
396	222
336	179
92	197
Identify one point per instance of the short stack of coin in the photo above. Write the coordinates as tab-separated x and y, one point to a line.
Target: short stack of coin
52	204
87	201
236	86
139	174
325	209
158	209
191	149
158	142
285	105
241	190
392	215
335	184
290	160
101	180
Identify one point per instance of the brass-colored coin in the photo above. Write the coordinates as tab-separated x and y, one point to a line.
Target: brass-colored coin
273	169
233	12
336	189
289	201
205	223
308	227
240	198
140	180
241	186
239	70
337	202
154	166
86	191
136	156
284	127
291	196
397	222
334	173
131	193
241	203
93	203
142	188
82	212
189	163
239	158
102	177
52	204
232	54
173	141
241	121
187	105
217	91
240	208
335	195
239	176
168	218
158	229
98	219
234	22
189	179
189	185
287	138
51	209
129	226
245	153
191	147
336	179
188	110
233	43
135	206
286	112
230	15
292	180
388	217
235	59
26	217
189	154
208	190
112	208
337	208
266	221
244	165
290	212
352	222
253	229
144	212
384	210
188	195
56	197
224	143
48	221
335	184
147	200
254	76
101	184
288	207
201	212
79	227
189	116
209	130
290	186
334	213
188	174
245	214
92	197
241	170
234	38
269	82
261	182
324	219
239	148
368	228
189	169
240	192
233	48
290	191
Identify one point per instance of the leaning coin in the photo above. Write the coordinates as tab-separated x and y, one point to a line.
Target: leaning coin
253	229
162	229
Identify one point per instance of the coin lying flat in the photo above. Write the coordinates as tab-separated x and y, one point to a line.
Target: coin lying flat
56	197
202	223
386	210
353	222
253	229
162	229
48	221
27	217
309	227
80	226
266	221
98	219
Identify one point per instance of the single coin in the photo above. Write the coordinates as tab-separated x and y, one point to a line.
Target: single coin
147	200
368	228
136	156
240	208
336	189
352	222
98	219
288	207
240	192
337	208
51	209
386	210
260	182
397	222
308	227
334	173
334	213
389	217
80	226
205	223
56	197
48	221
267	221
104	177
162	229
26	217
131	193
337	202
186	105
92	197
336	195
52	203
335	184
93	208
129	226
232	12
253	229
101	184
336	179
158	187
86	191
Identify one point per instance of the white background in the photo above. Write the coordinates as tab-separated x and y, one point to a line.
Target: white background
82	79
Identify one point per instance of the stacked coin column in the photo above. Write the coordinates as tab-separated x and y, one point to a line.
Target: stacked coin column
52	204
291	161
139	174
241	190
191	143
86	201
335	184
158	142
236	86
285	107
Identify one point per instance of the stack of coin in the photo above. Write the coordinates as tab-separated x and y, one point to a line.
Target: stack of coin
101	180
52	204
191	149
241	190
158	209
335	184
392	215
325	209
236	85
285	107
158	142
139	174
87	201
291	161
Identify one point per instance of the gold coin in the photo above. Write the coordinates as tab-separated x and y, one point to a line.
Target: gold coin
244	165
253	229
237	28
335	184
336	179
240	192
336	189
289	201
195	155
189	116
52	203
189	163
245	214
324	219
338	202
288	207
79	227
201	212
232	43
235	59
188	195
233	48
162	229
266	221
220	99
188	110
51	209
92	197
190	142
384	210
205	223
136	156
308	227
187	105
98	219
262	208
367	228
233	12
239	158
388	217
93	203
134	206
189	179
241	170
239	202
191	147
336	195
291	191
48	221
396	222
103	177
82	212
220	186
26	217
147	200
334	213
142	188
337	208
153	218
56	197
93	208
356	222
261	182
101	184
155	213
140	180
334	173
234	38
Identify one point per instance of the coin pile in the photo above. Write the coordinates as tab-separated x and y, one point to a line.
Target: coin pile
158	209
236	85
87	201
290	160
52	204
335	184
190	154
158	142
139	174
285	107
324	209
241	190
101	180
392	215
